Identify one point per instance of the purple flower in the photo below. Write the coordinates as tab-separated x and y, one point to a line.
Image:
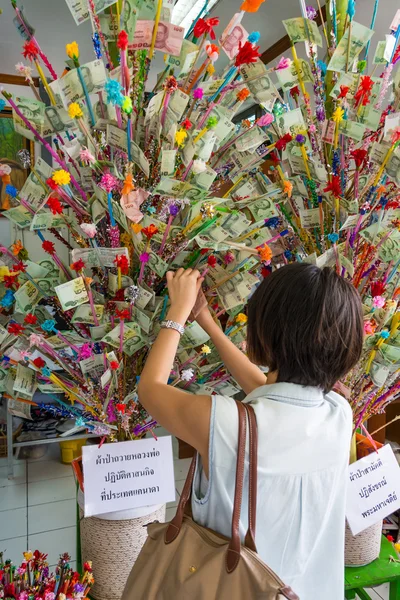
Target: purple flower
79	588
173	210
320	112
311	12
300	139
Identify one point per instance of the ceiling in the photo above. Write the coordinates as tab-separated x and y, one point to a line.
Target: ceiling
55	27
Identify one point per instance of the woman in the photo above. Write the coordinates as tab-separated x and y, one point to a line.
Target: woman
306	326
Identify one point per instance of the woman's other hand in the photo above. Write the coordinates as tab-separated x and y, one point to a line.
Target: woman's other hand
183	289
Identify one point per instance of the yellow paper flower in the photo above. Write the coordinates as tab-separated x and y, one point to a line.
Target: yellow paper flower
61	177
206	349
241	318
180	137
287	188
338	115
75	111
210	69
136	227
397	547
72	50
28	555
127	105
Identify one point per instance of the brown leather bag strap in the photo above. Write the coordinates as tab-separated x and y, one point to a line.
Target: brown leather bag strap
176	523
253	456
233	553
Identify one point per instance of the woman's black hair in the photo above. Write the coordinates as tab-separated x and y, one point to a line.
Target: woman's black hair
305	323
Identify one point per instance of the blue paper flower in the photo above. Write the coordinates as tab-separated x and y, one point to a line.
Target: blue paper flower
48	326
254	37
151	210
385	334
7	300
46	372
333	237
11	191
113	90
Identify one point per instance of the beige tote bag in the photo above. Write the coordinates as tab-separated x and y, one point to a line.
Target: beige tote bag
184	561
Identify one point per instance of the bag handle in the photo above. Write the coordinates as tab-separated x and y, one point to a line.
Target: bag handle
253	458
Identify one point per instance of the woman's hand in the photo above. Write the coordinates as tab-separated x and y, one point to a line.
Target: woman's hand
183	289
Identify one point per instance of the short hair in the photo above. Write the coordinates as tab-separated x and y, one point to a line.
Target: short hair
306	323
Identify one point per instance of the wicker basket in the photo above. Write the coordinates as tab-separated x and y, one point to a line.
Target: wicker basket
362	549
113	546
3	440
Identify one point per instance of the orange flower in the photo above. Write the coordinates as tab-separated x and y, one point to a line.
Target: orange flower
265	253
128	185
287	188
137	228
17	247
243	94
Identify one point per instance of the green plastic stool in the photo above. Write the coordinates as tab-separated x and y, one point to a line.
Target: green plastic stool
382	570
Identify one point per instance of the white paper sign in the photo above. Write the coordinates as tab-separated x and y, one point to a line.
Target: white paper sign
128	475
374	489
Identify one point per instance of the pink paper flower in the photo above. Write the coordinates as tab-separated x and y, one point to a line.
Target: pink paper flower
86	156
35	339
266	120
24	70
144	257
379	302
90	229
369	328
5	170
284	63
86	351
108	182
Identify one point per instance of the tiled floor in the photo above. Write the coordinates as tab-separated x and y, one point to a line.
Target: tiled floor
38	508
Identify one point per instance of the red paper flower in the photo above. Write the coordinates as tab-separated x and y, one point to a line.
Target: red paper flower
39	362
390	538
87	566
247	54
54	205
15	328
343	91
377	289
78	265
48	247
120	408
122	263
283	142
114	365
364	91
30	50
30	319
212	261
334	186
10	280
51	183
20	266
123	314
205	26
295	92
274	157
123	40
359	156
150	231
186	124
204	251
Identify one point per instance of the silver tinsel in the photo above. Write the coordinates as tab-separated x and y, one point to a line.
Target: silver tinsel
132	293
24	158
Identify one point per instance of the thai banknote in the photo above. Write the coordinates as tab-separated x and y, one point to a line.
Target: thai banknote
303	30
18	215
57	120
25	381
27	296
251	139
256	77
93	75
379	56
234	292
35	190
83	314
117	137
46	220
179	62
360	36
289	78
72	293
205	180
233	35
167	162
33	111
169	37
157	264
99	257
79	8
194	336
352	129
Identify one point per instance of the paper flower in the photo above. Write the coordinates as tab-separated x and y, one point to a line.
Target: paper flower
247	54
144	257
150	231
2	104
254	37
25	71
30	50
334	186
35	339
136	228
205	349
5	170
333	237
11	191
199	166
358	156
85	351
126	105
344	90
295	92
7	300
113	90
10	280
39	362
212	51
229	257
241	318
15	329
48	326
187	124
72	51
288	188
123	40
212	261
48	247
170	84
377	288
369	327
122	263
78	265
20	266
198	93
30	319
265	253
61	177
54	205
86	156
180	137
89	228
212	122
75	111
284	63
242	95
395	137
283	142
300	139
205	26
378	302
123	314
108	182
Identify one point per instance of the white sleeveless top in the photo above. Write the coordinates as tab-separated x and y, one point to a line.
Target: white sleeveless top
303	452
